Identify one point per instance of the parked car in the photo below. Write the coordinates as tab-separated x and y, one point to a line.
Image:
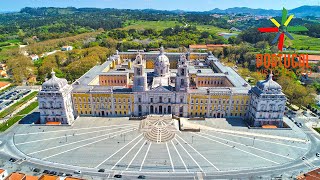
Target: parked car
46	172
318	154
36	170
53	173
61	174
68	174
77	172
141	177
12	159
118	176
101	170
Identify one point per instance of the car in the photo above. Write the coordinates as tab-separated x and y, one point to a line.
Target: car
68	174
303	158
77	172
46	172
300	124
318	154
118	176
141	177
36	170
12	159
101	170
53	173
61	174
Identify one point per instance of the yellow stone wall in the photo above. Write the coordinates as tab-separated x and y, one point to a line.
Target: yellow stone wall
93	104
202	104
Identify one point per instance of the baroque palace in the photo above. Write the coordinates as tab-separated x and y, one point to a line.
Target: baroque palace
182	84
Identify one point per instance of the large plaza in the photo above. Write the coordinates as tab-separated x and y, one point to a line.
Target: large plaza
120	145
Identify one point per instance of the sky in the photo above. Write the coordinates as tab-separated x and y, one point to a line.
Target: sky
189	5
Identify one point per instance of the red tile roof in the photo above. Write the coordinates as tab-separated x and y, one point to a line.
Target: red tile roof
314	57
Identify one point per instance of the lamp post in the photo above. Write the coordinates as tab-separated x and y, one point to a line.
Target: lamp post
254	138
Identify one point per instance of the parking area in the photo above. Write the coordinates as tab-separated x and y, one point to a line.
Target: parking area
117	144
12	95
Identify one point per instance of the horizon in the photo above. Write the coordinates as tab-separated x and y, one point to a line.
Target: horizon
187	5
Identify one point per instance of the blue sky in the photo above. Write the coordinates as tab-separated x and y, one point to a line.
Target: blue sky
191	5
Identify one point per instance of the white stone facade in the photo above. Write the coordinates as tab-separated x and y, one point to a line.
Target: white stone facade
55	103
267	104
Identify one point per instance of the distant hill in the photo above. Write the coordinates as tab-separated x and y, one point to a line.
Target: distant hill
302	11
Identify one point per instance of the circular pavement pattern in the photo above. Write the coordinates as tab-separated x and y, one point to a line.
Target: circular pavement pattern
119	144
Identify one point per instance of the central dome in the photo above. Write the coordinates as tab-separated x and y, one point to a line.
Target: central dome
162	64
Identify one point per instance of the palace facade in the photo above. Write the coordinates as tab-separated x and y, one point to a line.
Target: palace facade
182	84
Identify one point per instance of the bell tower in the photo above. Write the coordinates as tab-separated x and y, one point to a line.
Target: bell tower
182	79
140	76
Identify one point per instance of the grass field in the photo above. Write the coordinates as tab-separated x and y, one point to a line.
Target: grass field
161	25
317	129
303	42
16	105
9	123
28	109
213	29
158	25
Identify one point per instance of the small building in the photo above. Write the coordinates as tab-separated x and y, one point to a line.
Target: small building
234	29
49	177
73	178
3	174
31	177
315	174
34	57
66	48
313	59
16	176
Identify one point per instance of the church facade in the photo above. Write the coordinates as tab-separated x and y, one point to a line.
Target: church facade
138	84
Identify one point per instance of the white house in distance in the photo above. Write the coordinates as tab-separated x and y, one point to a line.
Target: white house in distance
3	174
34	57
66	48
55	104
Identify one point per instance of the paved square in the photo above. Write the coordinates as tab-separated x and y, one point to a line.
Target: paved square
118	144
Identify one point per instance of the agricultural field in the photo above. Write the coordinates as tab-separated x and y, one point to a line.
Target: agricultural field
158	25
303	42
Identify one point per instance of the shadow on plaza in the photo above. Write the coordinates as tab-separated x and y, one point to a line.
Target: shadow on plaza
32	118
236	122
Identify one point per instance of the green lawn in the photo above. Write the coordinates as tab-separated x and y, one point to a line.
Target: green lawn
213	29
28	109
158	25
16	105
303	42
161	25
10	122
317	129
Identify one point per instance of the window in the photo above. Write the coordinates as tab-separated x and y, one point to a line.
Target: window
160	99
169	100
181	100
139	99
151	100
